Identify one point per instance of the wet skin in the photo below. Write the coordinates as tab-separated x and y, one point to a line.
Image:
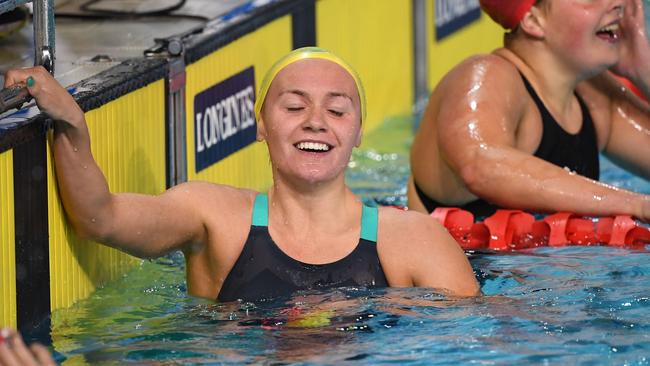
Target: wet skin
481	126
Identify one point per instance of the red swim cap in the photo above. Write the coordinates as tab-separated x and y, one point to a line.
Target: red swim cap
508	13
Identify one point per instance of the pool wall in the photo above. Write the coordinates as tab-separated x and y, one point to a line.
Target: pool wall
128	143
7	242
149	130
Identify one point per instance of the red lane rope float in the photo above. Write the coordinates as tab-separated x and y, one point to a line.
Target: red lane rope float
514	229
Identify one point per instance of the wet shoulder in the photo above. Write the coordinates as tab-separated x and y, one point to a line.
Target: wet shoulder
484	67
402	228
491	80
210	198
481	69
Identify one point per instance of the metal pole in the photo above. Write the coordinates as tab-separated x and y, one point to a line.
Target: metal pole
420	60
44	34
177	144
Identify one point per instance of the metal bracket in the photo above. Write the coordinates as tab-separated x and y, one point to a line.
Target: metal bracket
177	145
173	50
165	47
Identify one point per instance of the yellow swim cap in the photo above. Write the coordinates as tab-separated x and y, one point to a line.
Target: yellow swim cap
302	54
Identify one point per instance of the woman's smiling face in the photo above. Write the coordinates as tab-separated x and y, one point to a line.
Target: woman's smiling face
311	120
584	32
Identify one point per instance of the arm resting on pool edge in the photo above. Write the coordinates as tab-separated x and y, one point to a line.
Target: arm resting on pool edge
511	178
142	225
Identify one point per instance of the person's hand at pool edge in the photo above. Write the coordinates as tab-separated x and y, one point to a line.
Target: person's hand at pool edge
14	352
142	225
49	95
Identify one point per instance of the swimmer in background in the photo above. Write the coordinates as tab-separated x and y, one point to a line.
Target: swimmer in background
310	232
523	127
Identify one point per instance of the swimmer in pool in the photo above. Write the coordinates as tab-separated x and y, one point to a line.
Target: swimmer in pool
523	126
309	232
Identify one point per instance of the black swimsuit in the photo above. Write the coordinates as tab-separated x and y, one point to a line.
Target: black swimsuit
264	271
578	153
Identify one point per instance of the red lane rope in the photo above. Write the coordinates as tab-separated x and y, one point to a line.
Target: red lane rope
514	229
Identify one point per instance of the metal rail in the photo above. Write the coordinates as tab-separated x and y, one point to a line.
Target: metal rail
44	47
9	5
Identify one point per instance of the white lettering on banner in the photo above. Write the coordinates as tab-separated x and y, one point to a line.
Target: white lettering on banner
449	10
224	119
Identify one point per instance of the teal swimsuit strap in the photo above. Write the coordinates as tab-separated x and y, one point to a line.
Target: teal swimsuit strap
369	217
261	210
369	221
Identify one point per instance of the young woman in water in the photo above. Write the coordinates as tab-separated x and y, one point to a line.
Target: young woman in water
523	127
309	232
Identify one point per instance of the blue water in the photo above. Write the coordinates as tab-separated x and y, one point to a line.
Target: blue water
560	306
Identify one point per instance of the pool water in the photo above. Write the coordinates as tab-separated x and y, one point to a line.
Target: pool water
564	306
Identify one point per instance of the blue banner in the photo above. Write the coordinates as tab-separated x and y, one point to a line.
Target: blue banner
452	15
224	118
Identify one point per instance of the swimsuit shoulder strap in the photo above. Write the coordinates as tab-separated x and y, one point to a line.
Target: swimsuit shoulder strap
547	118
369	217
369	221
586	115
535	96
261	210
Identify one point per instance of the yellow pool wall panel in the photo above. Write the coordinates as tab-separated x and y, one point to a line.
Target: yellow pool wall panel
481	36
128	142
248	167
7	243
376	38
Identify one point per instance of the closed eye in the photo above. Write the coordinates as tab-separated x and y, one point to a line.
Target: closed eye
295	109
336	113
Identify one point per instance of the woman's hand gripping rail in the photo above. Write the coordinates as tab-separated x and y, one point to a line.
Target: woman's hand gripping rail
14	96
82	186
142	225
